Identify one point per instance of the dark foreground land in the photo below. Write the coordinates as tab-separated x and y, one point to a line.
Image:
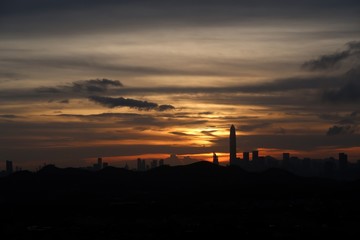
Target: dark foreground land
198	200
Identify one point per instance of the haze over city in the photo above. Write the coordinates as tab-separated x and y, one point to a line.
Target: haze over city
127	79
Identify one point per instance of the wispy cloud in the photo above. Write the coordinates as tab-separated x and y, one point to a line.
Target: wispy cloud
331	61
340	130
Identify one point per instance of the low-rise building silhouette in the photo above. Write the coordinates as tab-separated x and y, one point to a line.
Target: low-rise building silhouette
343	161
100	164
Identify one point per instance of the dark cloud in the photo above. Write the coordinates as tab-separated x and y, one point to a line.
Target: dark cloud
205	113
332	61
166	107
326	62
131	103
8	116
340	130
124	102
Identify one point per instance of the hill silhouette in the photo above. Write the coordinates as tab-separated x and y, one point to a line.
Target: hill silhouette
197	200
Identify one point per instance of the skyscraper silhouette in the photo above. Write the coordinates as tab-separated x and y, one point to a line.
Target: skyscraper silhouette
255	155
232	145
9	167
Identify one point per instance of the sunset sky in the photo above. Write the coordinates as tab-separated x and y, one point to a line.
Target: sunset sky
122	79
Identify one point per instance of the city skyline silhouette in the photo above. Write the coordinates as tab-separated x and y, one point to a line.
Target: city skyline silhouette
331	167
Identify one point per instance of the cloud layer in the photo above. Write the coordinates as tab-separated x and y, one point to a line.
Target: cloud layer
71	16
331	61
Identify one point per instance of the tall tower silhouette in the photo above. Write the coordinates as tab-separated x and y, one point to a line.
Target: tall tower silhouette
215	159
232	145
